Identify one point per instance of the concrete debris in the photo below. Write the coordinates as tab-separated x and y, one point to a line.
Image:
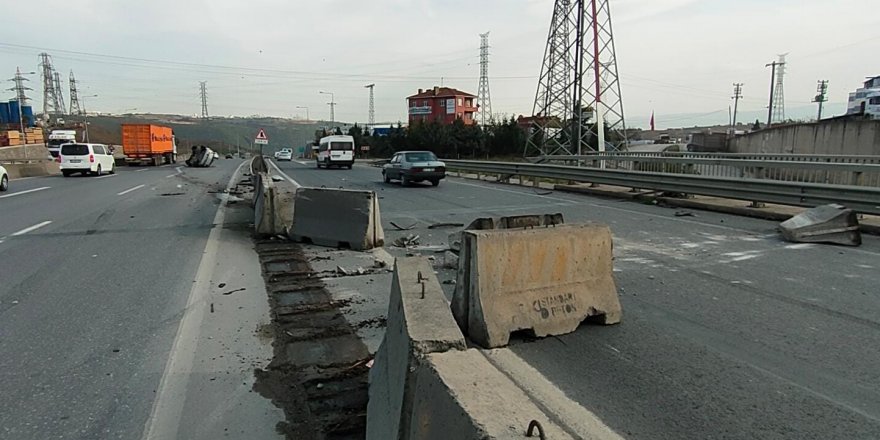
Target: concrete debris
407	241
832	223
450	260
446	225
684	214
377	263
277	179
402	228
448	281
341	270
361	271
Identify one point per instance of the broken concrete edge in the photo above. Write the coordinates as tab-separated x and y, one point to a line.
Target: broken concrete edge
419	323
744	211
830	223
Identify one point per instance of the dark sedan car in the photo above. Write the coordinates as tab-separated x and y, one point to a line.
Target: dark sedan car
414	166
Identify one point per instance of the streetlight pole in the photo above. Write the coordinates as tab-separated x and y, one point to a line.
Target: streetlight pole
308	119
86	115
332	105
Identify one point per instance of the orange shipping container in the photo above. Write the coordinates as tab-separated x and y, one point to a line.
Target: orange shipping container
145	140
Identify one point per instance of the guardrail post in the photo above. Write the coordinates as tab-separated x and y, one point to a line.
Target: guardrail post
856	178
756	204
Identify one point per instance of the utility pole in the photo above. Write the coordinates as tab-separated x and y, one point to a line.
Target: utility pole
56	77
737	94
75	108
772	81
371	115
821	96
484	98
332	105
203	93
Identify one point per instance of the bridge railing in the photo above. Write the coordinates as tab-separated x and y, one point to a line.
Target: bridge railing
826	169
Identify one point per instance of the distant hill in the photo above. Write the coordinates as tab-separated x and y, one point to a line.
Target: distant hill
222	134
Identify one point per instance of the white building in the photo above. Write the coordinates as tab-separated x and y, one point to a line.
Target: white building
865	100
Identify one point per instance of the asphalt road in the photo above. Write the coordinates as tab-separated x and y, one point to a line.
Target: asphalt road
728	331
94	277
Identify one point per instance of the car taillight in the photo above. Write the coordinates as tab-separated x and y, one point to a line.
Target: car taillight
58	158
92	158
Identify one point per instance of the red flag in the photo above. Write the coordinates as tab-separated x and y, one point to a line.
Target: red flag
652	120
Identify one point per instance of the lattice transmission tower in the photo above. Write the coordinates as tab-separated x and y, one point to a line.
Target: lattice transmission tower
20	88
579	86
75	108
484	98
56	84
203	93
51	103
371	113
776	112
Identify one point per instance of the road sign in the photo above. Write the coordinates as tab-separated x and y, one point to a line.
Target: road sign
261	138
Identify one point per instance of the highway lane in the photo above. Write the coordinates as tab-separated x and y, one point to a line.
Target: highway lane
727	332
90	303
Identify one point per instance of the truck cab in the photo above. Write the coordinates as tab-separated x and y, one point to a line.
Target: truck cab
57	138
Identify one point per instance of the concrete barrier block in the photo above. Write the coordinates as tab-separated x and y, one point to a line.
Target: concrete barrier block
337	218
823	224
283	203
419	323
264	207
461	395
547	280
509	222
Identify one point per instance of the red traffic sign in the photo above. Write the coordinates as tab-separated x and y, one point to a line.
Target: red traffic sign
262	135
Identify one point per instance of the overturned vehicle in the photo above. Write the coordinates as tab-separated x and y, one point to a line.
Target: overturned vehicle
201	156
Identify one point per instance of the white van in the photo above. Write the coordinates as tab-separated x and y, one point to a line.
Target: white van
94	159
336	150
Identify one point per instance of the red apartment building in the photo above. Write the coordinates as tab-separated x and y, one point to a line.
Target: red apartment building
443	105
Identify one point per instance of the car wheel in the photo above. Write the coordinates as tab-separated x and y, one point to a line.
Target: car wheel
385	177
404	180
435	182
99	172
85	173
4	183
65	173
318	163
349	166
112	169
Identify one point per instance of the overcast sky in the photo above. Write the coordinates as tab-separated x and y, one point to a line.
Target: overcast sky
677	58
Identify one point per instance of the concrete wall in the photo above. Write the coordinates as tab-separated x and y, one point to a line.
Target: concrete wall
835	136
36	151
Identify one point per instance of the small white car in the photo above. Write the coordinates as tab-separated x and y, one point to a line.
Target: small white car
94	159
4	179
285	154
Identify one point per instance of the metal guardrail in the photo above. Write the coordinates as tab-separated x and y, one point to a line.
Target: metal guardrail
859	198
837	170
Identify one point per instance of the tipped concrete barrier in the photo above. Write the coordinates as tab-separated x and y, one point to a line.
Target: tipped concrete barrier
264	206
547	280
337	218
509	222
823	224
33	169
419	323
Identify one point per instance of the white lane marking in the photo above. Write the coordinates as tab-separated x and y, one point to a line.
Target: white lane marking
301	162
165	416
106	176
170	175
24	192
294	182
142	169
130	190
31	228
179	169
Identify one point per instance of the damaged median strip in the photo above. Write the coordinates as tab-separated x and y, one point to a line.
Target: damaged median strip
428	380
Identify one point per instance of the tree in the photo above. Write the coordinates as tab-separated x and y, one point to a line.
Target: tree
757	125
